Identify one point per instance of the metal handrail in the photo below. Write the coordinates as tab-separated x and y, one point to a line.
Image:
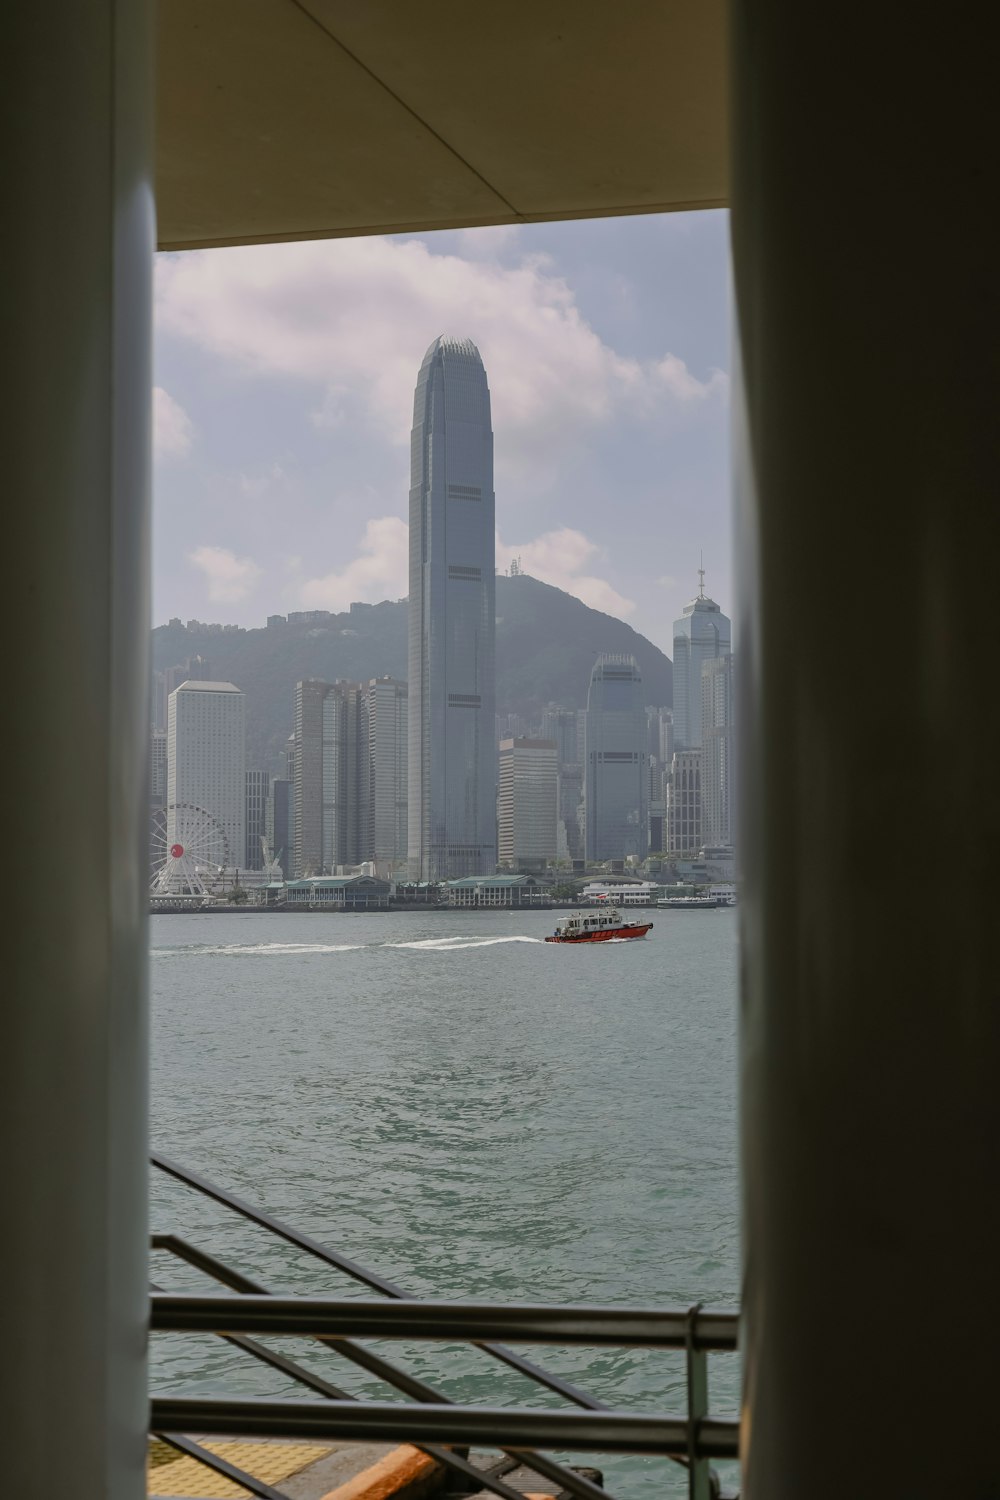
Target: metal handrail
468	1322
517	1429
359	1273
567	1479
453	1460
432	1418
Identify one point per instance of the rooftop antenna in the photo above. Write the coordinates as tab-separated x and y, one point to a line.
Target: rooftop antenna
701	575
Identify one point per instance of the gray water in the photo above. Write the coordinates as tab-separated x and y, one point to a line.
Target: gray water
466	1109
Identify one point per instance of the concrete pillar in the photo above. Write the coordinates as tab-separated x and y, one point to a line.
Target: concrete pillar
76	255
867	503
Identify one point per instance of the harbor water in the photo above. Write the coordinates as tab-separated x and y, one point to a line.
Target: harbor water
466	1109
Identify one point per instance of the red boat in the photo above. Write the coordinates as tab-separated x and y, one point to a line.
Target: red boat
602	926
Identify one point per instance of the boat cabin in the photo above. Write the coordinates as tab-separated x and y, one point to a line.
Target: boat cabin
590	921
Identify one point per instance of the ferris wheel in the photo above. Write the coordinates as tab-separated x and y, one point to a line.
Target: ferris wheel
189	852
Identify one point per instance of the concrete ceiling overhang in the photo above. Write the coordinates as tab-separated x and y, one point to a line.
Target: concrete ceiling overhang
297	119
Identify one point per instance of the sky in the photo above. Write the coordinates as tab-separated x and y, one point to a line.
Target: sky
284	380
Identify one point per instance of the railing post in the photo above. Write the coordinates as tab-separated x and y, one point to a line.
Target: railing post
699	1472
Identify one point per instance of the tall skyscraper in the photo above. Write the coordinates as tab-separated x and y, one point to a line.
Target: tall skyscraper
683	834
158	768
718	751
452	618
701	634
559	724
258	791
388	750
206	762
330	796
278	823
528	803
616	768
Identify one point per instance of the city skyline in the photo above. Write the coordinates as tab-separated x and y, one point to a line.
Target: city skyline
280	477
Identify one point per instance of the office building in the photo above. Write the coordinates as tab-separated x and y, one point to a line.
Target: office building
718	751
616	785
570	831
206	767
528	803
559	724
330	796
277	826
258	791
701	634
683	803
388	752
452	614
158	768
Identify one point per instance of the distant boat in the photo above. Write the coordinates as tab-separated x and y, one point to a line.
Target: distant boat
602	926
693	903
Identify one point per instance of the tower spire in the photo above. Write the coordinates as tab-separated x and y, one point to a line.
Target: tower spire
701	576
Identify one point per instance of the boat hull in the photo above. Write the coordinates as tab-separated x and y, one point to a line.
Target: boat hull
604	935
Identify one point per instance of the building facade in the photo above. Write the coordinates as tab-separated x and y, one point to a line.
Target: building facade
388	753
570	830
718	752
158	768
452	614
258	791
528	804
206	764
701	634
616	792
278	824
559	724
683	834
330	796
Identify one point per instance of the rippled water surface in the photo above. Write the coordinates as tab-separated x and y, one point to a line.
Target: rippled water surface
471	1112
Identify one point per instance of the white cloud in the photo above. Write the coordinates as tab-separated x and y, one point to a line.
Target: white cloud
230	578
559	557
261	482
354	317
378	572
173	430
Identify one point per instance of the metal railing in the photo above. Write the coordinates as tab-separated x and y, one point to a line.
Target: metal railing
428	1419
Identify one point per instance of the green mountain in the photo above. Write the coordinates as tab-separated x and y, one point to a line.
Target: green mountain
547	643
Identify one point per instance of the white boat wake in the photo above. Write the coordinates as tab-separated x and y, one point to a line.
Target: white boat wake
453	944
239	950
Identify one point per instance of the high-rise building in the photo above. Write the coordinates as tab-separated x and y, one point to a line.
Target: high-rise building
701	634
330	799
206	763
683	821
158	768
559	724
616	788
278	825
388	752
570	803
718	751
452	618
528	803
258	791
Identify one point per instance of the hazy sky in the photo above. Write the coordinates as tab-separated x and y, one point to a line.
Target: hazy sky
284	399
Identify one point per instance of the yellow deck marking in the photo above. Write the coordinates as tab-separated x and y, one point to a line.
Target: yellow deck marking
172	1473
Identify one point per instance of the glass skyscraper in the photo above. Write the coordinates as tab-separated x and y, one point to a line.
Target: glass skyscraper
616	790
701	634
452	618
